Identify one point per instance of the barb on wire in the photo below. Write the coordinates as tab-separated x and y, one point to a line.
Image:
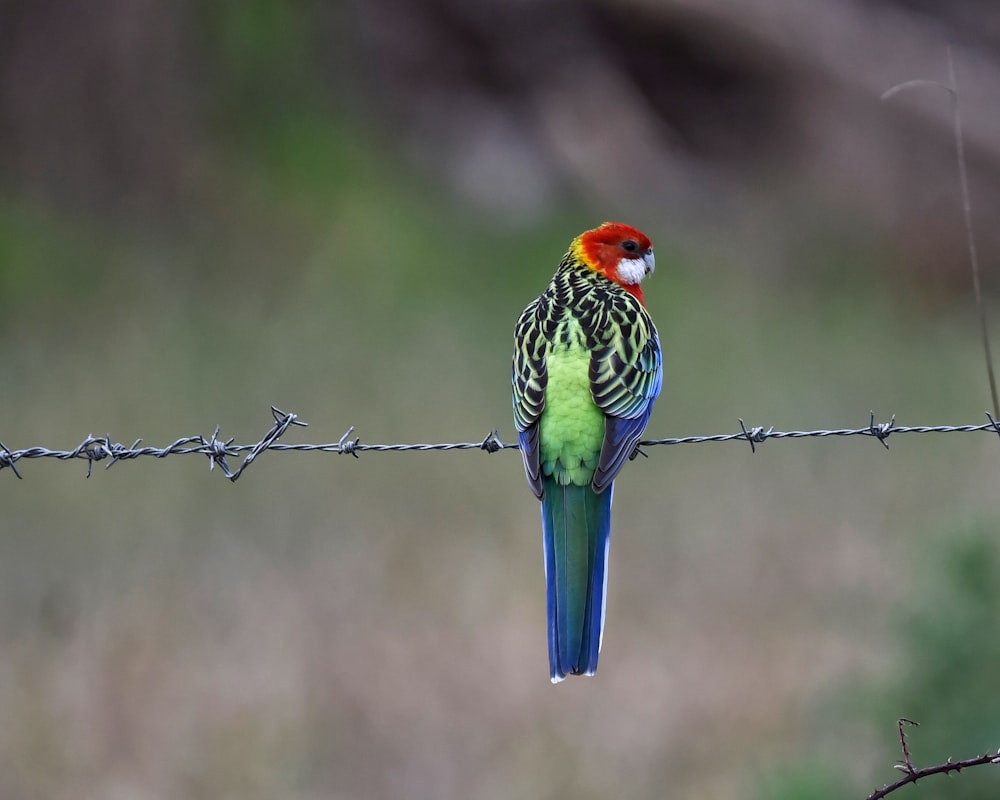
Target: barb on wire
913	774
7	459
877	430
219	450
282	422
757	435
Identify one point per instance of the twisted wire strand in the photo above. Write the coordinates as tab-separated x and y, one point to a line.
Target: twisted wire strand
99	448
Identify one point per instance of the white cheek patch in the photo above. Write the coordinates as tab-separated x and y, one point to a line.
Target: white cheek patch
631	270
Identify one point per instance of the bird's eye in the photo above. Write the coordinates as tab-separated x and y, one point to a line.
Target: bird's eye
630	246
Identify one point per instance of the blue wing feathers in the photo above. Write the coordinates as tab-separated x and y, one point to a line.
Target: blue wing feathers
527	441
621	435
623	432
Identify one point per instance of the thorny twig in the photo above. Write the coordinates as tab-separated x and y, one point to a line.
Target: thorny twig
913	774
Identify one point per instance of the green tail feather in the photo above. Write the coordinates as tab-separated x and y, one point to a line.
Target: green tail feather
576	524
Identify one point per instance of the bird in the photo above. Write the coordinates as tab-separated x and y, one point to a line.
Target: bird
587	369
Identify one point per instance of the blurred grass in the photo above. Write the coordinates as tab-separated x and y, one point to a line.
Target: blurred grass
376	627
945	632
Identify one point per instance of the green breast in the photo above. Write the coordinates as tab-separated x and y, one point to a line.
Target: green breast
571	429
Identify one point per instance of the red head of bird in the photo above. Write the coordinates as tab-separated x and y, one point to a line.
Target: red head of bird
619	252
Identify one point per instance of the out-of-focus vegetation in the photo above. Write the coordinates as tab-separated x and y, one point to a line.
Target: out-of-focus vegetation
206	209
946	634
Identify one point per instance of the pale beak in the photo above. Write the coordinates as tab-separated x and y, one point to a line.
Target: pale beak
650	262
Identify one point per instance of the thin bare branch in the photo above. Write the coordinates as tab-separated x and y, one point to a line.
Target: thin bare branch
913	774
963	184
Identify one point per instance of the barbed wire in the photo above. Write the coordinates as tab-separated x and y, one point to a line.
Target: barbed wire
99	448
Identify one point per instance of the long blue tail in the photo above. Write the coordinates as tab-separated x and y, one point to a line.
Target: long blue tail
576	525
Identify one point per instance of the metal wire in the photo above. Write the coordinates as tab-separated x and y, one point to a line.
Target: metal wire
99	448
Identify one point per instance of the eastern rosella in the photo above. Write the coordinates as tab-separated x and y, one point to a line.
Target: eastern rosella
587	369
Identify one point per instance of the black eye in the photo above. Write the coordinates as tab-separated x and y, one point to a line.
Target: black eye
630	246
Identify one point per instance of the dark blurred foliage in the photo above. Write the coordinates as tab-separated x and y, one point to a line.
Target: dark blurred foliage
951	646
97	101
687	110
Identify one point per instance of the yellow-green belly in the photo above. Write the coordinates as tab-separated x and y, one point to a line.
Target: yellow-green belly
571	428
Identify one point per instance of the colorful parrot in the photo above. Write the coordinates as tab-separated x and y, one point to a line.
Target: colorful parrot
587	369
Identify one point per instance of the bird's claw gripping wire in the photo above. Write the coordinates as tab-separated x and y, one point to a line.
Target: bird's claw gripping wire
637	451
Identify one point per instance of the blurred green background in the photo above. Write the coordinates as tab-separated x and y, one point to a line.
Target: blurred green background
340	209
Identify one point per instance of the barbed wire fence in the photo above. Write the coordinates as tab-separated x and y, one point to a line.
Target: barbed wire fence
94	449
